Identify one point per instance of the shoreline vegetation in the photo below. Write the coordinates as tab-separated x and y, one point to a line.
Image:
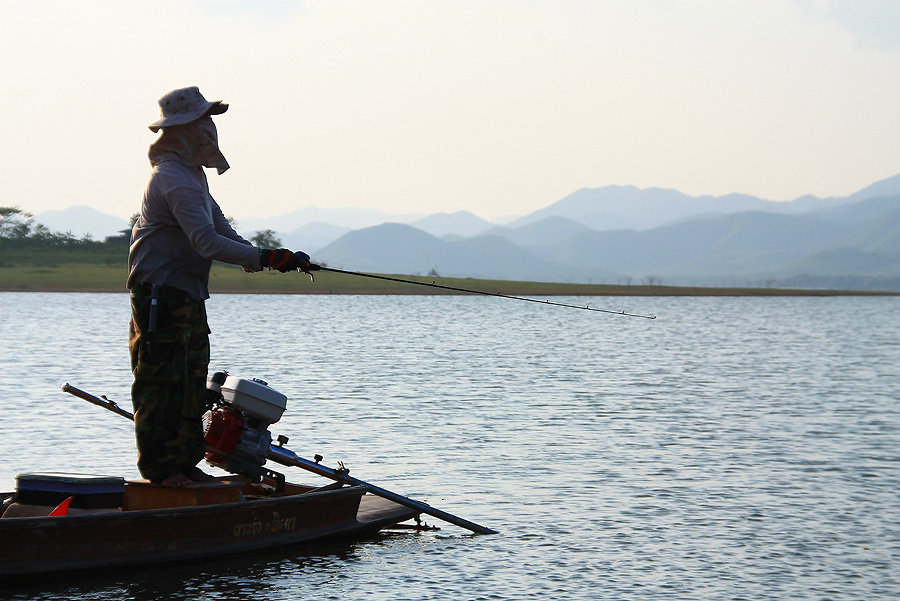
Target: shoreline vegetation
227	279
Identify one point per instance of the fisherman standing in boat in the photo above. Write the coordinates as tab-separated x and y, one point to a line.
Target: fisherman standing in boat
178	234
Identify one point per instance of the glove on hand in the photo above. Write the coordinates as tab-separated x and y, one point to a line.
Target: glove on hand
284	260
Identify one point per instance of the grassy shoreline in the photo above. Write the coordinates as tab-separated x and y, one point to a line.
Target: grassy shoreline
92	277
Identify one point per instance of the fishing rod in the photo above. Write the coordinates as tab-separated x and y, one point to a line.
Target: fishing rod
433	284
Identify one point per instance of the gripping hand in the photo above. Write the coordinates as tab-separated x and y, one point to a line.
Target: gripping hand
284	260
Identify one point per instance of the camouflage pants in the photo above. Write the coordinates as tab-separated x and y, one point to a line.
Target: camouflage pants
169	389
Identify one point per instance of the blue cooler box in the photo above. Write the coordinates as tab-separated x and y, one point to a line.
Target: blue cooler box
87	492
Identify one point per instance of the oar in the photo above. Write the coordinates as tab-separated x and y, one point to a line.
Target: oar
287	457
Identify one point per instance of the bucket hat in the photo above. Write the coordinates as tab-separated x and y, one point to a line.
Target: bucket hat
183	106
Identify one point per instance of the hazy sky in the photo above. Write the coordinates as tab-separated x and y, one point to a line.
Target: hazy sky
497	107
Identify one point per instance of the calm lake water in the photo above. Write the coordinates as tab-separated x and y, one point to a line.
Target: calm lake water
733	448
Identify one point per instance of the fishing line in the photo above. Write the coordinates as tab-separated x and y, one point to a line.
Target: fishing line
479	292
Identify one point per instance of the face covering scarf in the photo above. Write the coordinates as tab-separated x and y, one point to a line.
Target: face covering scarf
194	144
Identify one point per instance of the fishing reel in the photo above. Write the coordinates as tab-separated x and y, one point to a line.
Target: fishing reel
236	428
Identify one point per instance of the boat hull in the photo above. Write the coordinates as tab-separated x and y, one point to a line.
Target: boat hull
44	545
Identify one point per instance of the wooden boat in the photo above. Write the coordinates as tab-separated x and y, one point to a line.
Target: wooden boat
58	523
205	519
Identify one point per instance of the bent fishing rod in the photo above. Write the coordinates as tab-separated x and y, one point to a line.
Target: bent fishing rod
314	267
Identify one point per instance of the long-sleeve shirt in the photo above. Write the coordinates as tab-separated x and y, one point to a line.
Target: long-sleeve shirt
180	231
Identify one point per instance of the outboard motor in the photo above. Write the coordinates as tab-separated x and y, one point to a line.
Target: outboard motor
236	428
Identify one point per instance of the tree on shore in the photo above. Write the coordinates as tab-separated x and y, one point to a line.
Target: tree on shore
23	241
266	239
19	227
15	224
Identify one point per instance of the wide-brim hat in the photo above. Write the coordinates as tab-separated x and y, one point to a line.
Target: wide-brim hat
183	106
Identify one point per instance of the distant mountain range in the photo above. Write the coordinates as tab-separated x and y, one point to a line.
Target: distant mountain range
81	221
614	234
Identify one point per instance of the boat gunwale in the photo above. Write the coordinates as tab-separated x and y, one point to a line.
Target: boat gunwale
124	515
